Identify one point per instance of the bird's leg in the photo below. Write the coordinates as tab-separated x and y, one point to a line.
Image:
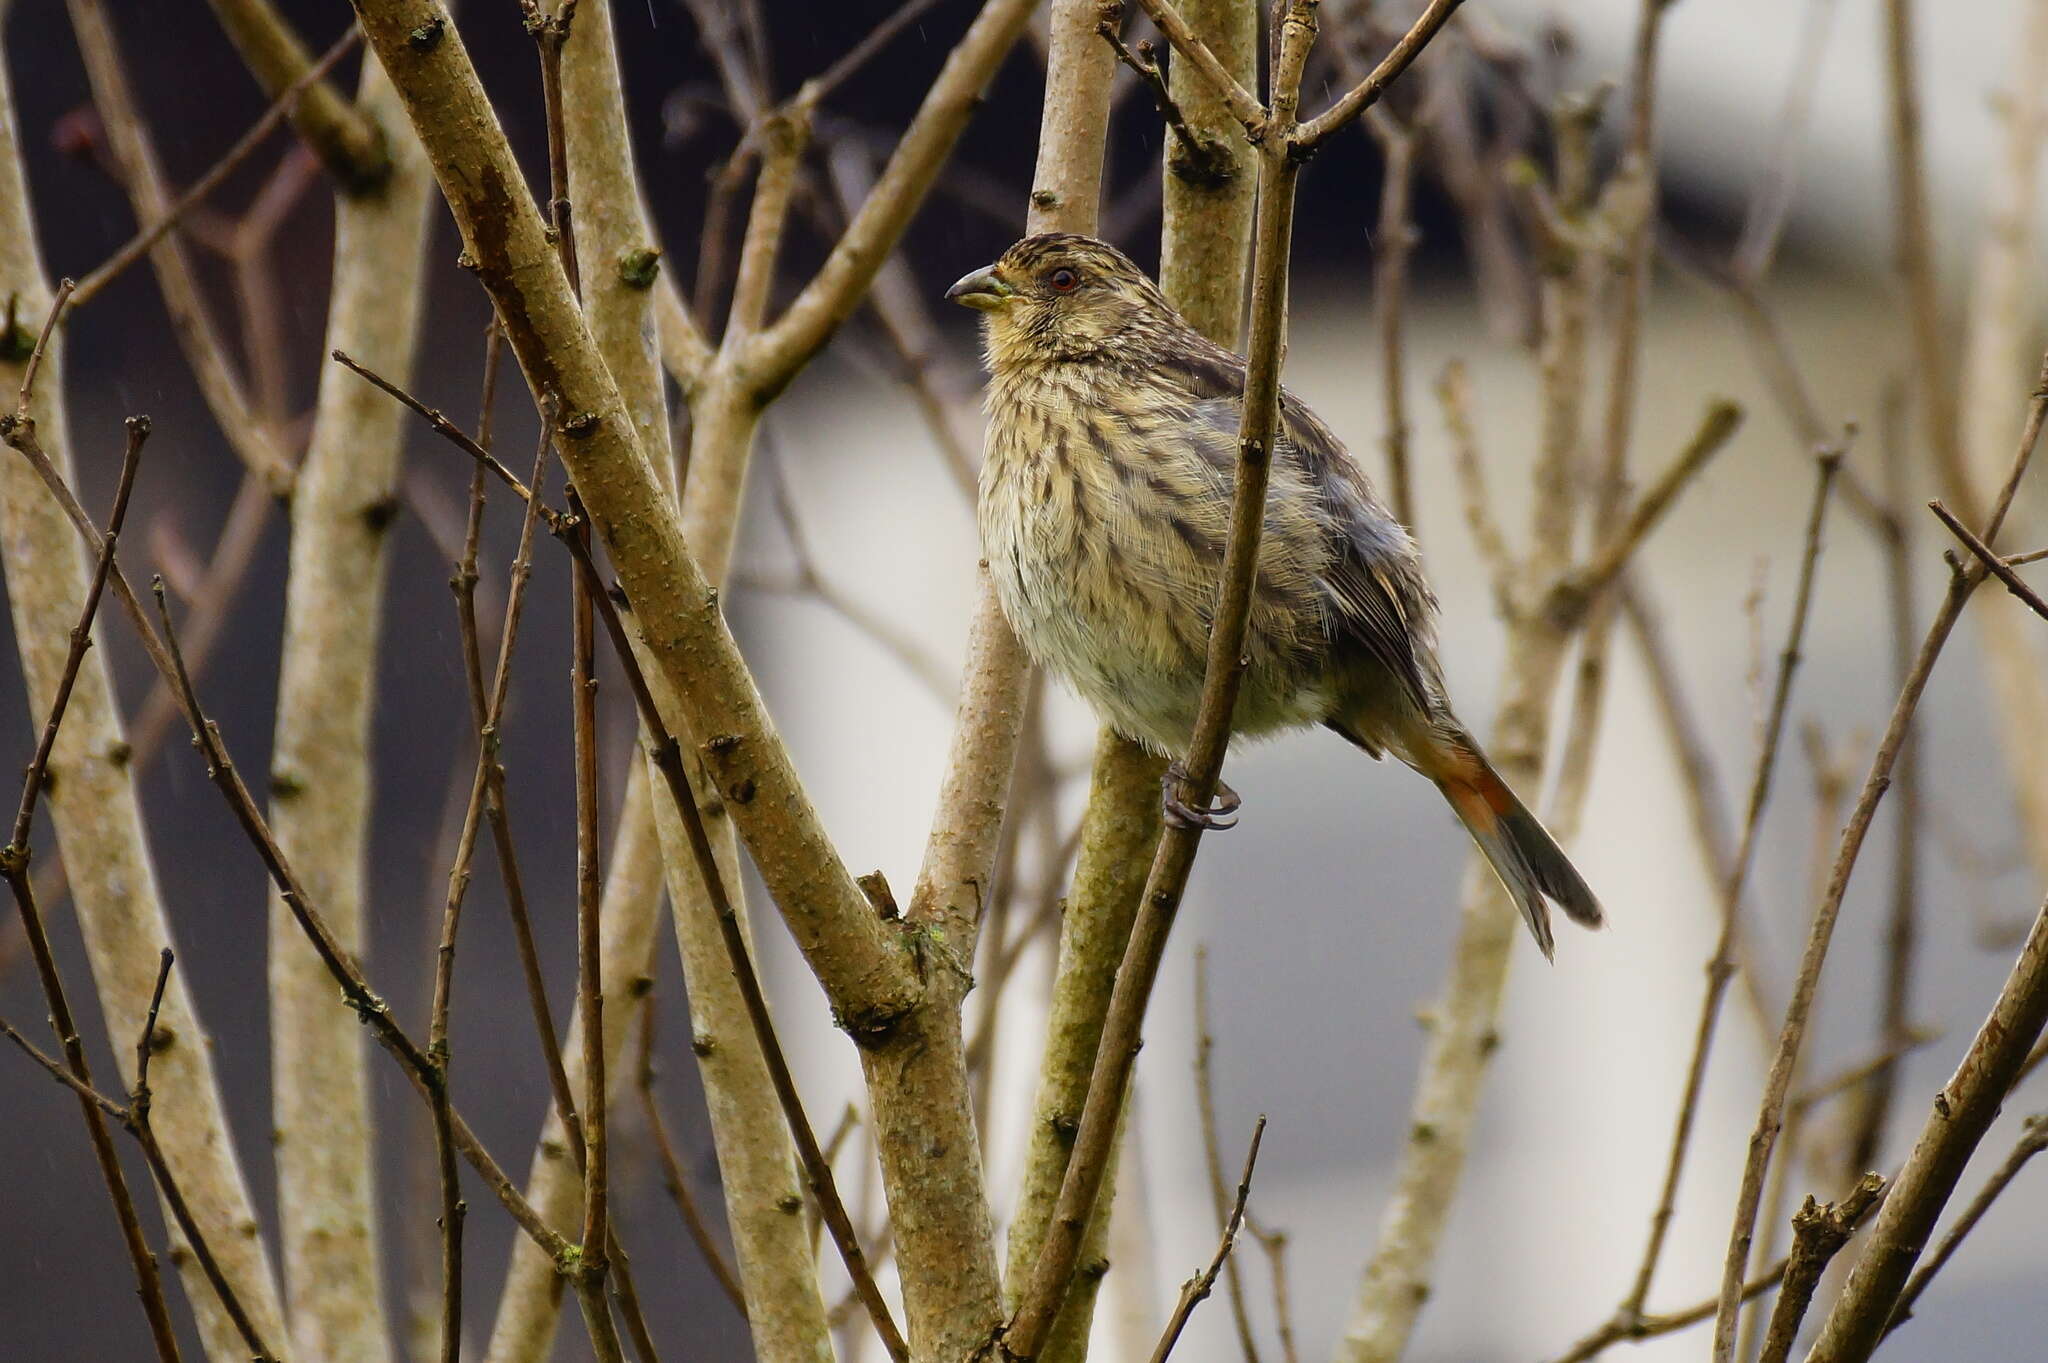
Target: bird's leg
1181	814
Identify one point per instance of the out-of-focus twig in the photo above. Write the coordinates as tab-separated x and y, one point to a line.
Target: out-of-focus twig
345	136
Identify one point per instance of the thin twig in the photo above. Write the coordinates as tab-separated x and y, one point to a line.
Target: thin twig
445	428
1393	242
1196	1289
1962	1114
19	433
65	288
138	428
590	996
1997	566
167	1186
1902	930
1204	160
14	864
1654	1325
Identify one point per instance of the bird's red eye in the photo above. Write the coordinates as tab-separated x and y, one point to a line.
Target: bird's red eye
1063	280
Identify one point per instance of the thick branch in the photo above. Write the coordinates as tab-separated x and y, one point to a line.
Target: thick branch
320	778
676	612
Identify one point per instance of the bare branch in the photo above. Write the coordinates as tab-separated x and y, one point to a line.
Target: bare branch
26	394
321	778
1244	106
2033	1140
1197	1288
1095	1142
1212	1150
1198	158
1362	96
856	956
1991	562
14	862
667	755
773	356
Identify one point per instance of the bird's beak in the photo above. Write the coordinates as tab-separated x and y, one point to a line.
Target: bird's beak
983	291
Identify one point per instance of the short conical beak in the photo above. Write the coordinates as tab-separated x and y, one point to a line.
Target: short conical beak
982	291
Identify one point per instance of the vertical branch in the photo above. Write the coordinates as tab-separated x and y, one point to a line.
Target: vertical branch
94	807
1212	1151
1914	245
1204	245
1206	204
1722	965
320	779
1627	212
1094	1142
594	1264
620	271
1902	931
1393	242
1121	822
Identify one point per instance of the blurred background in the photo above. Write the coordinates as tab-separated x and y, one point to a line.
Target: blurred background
1327	916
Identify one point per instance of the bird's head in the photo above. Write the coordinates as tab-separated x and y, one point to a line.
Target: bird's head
1058	296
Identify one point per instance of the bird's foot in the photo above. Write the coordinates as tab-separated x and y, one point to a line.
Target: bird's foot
1181	814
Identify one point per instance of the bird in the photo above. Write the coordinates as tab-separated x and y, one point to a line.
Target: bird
1103	507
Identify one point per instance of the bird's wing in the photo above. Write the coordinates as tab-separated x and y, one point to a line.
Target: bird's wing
1373	592
1374	579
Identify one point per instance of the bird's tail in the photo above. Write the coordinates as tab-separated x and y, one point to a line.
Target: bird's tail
1523	854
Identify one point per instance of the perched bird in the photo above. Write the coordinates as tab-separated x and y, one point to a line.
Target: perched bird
1105	502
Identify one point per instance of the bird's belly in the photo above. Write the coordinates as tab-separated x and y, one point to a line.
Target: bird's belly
1091	606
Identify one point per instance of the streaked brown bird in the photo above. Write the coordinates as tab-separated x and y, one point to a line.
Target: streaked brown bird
1105	502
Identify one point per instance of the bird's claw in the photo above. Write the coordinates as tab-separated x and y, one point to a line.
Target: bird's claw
1181	814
